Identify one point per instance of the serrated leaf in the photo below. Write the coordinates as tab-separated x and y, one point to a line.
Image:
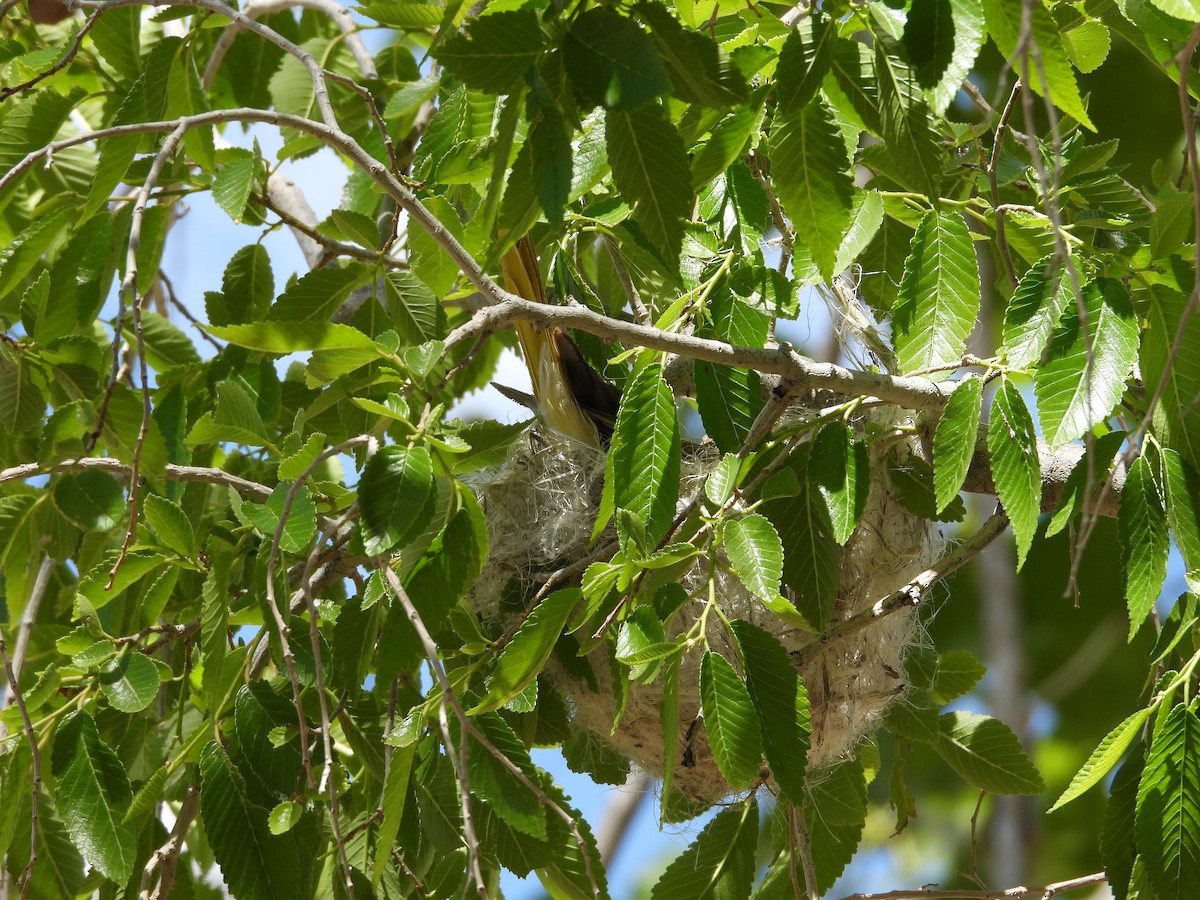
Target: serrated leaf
357	226
720	485
1183	512
1031	314
954	439
719	863
939	294
1167	823
22	404
396	485
612	62
929	33
1171	225
1095	464
129	682
650	167
729	721
170	523
93	795
804	60
957	673
1049	73
1012	447
1176	417
1087	44
1072	394
300	525
643	460
524	656
1188	10
729	399
986	753
812	177
781	704
1142	527
316	294
756	555
92	500
231	187
1106	755
1117	848
839	467
905	122
415	311
405	14
293	337
255	863
507	796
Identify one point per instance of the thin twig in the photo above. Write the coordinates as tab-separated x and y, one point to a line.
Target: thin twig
994	184
166	857
31	738
1045	892
641	315
803	849
62	63
913	593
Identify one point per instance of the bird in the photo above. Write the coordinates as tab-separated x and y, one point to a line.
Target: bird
571	399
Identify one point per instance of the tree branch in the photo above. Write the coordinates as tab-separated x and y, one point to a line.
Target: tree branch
1046	892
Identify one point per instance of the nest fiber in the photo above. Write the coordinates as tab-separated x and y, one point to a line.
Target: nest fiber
540	507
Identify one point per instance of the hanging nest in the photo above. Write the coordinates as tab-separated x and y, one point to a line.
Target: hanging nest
540	506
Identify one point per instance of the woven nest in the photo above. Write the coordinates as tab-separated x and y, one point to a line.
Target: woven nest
540	507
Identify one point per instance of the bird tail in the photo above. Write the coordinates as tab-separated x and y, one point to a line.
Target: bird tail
557	405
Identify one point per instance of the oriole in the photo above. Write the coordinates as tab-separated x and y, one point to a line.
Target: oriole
570	397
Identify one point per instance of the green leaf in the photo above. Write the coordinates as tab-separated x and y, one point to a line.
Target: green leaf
214	631
836	814
668	716
650	167
45	321
93	795
729	721
1073	392
986	753
257	712
929	33
954	439
316	294
957	674
756	555
301	524
1031	314
394	493
719	863
1117	848
1090	470
643	460
507	796
293	337
1049	73
701	72
357	226
1167	824
92	500
812	178
395	795
905	122
1188	10
612	62
414	309
1106	755
118	40
405	14
968	33
1171	225
1012	447
524	656
256	864
1087	44
551	153
939	294
781	704
129	682
1142	526
1183	512
170	523
1176	417
804	60
22	405
231	187
839	467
